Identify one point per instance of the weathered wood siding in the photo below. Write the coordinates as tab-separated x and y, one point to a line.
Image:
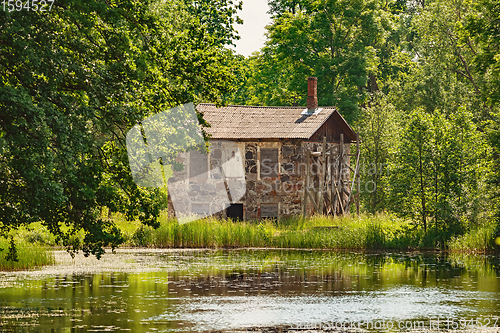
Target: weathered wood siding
332	129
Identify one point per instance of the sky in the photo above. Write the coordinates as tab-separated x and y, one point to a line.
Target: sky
255	18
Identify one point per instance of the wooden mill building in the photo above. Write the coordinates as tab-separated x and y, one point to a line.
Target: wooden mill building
296	160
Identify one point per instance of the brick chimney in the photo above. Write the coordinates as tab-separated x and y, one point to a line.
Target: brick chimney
312	94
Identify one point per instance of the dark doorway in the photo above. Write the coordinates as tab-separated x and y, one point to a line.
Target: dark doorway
235	212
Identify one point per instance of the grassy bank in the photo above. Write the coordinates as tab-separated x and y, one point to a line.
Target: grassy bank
481	239
29	254
366	232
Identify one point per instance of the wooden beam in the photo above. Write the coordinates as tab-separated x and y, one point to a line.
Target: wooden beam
312	200
328	180
341	171
322	178
304	212
353	180
332	180
340	200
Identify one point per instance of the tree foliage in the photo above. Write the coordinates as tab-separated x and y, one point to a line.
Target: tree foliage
439	170
378	127
73	81
484	29
217	18
333	40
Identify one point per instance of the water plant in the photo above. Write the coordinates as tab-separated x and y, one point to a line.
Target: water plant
478	240
24	255
317	232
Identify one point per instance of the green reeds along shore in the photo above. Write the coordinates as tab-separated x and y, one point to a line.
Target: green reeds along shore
482	239
367	232
28	254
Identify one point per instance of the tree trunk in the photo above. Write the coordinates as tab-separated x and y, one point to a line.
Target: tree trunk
422	189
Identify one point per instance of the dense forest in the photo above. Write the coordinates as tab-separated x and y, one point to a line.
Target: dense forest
419	80
75	79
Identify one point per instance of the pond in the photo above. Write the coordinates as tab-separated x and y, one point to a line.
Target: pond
203	290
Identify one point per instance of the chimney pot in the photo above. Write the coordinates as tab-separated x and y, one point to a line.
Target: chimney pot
312	94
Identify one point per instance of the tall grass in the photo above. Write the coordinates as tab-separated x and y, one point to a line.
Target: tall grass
477	240
367	232
319	232
207	233
29	255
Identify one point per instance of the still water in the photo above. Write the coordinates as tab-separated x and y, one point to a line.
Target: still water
181	291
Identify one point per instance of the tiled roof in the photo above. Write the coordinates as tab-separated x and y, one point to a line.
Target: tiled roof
263	122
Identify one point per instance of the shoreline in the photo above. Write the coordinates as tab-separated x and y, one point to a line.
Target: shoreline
289	329
344	250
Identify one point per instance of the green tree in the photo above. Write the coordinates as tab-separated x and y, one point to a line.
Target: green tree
411	171
74	80
262	81
378	127
279	7
442	74
335	40
439	171
217	18
484	29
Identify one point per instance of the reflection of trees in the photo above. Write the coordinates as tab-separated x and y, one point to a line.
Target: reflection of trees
475	264
100	299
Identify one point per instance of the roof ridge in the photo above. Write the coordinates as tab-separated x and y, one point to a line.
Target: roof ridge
267	107
239	121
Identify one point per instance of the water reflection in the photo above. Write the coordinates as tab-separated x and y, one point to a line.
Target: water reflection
181	291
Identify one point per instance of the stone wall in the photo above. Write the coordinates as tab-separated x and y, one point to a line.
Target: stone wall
199	187
274	177
272	194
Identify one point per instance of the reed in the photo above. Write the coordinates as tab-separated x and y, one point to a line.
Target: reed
206	233
318	232
367	232
29	255
477	240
